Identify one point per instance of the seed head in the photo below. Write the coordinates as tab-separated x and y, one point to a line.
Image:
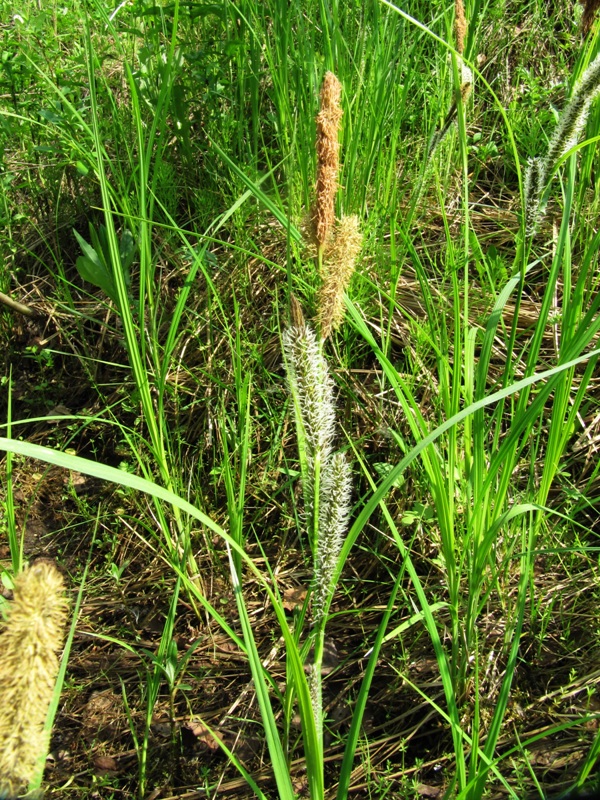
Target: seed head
316	697
30	640
338	269
328	148
466	81
460	25
334	510
574	117
309	381
535	181
570	126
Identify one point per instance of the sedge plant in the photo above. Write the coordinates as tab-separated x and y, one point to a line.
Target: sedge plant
326	474
469	446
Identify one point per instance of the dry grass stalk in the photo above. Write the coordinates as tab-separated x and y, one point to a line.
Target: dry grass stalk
589	14
338	268
30	640
460	25
328	161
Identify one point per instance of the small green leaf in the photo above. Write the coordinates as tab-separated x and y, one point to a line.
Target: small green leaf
50	116
93	269
127	250
383	469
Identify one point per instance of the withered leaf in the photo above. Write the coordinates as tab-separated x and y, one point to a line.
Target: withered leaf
202	735
294	598
105	765
429	791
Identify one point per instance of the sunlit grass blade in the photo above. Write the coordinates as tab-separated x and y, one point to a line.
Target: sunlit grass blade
261	196
363	696
278	759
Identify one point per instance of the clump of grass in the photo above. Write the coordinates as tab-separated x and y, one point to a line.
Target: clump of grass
33	635
472	465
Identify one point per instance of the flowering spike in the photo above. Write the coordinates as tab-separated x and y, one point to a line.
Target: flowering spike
466	81
574	117
460	25
311	388
535	181
309	381
334	510
325	476
32	636
316	697
328	158
570	125
339	266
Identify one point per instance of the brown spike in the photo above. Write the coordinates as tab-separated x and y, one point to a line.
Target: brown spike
339	266
327	145
29	644
460	25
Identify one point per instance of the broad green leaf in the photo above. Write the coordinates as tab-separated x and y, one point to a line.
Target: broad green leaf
93	269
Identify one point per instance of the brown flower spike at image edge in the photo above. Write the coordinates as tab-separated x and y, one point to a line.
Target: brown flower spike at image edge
30	640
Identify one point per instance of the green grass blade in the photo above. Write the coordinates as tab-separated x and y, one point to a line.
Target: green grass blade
278	760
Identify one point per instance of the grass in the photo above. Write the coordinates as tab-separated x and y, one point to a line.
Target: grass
157	180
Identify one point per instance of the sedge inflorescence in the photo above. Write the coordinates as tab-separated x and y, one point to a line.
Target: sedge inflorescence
334	511
338	269
339	243
460	25
328	156
327	478
568	131
326	475
30	641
